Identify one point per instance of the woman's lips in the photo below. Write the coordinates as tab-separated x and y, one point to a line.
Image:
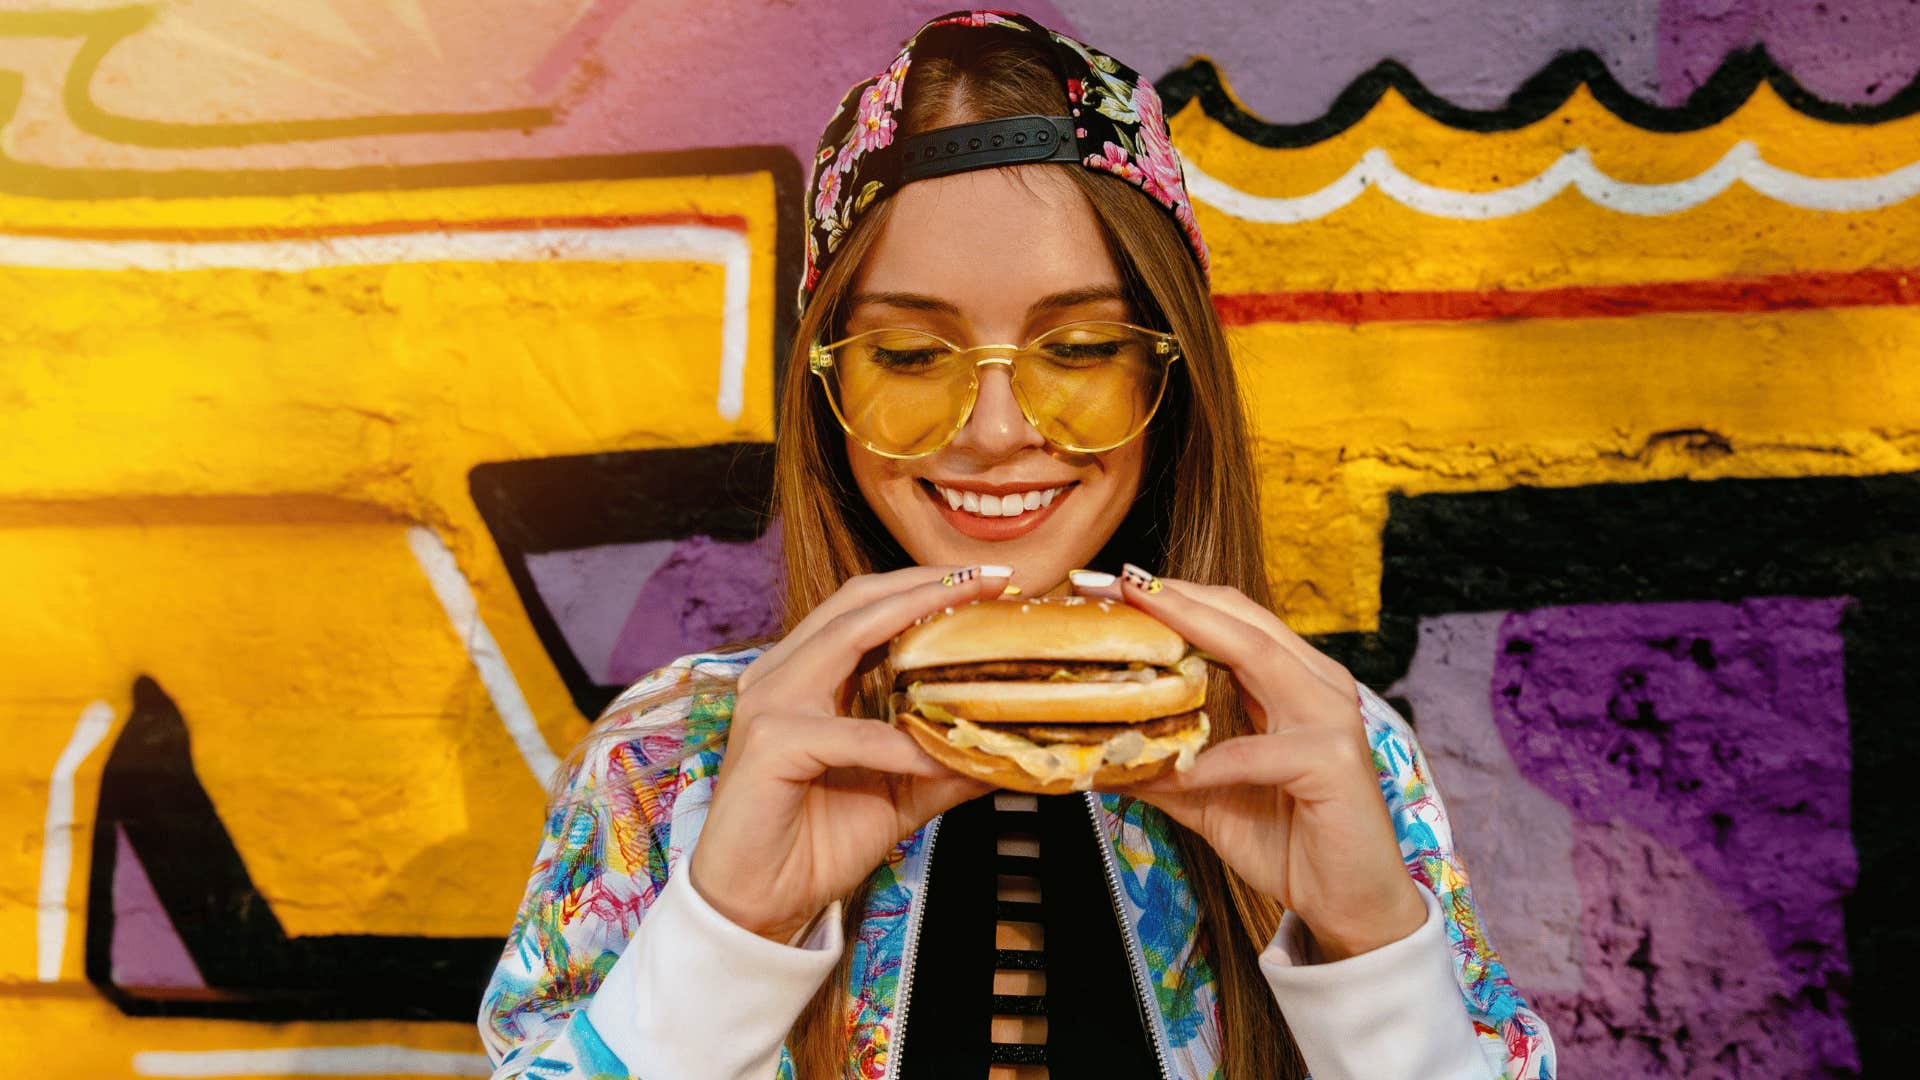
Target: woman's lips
994	528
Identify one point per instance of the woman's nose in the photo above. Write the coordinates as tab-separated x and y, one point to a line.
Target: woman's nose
997	427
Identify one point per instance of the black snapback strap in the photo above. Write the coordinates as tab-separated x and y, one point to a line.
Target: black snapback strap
1011	140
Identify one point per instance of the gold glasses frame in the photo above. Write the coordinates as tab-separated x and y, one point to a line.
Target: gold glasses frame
1166	347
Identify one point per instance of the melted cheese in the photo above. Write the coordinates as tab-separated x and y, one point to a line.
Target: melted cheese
1079	762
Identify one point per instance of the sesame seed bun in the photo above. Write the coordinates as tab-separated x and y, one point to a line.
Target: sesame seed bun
994	689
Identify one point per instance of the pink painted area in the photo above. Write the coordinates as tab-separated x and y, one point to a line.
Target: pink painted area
620	77
705	594
1523	878
566	53
1671	985
147	950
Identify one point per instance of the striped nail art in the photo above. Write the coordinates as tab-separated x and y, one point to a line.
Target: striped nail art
1140	579
961	577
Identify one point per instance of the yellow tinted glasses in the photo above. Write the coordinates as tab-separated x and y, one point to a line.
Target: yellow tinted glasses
1086	387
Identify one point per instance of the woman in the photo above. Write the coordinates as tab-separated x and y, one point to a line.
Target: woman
774	919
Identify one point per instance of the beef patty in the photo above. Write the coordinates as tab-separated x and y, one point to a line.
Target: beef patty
1004	671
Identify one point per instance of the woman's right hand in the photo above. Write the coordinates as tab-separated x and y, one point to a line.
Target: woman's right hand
810	800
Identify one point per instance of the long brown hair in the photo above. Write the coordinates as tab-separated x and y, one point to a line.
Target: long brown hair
1197	516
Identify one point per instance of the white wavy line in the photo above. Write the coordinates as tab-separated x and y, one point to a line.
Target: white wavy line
463	611
385	1060
56	842
627	243
1741	163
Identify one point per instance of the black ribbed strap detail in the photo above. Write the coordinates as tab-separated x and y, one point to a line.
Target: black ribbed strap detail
1017	1053
1011	140
1019	1005
1018	911
1019	960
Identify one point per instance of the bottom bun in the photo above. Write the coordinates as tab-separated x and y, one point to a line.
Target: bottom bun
1003	773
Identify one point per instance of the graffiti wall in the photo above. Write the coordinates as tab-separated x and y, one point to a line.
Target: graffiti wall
377	378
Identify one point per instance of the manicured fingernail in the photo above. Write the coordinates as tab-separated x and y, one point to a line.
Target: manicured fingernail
1090	579
1011	590
1140	579
994	571
960	577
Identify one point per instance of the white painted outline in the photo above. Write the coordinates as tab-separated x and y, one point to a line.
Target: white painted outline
626	243
1741	163
377	1060
56	842
463	611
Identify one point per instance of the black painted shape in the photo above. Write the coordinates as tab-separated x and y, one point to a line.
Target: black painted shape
1740	73
537	505
252	969
1720	541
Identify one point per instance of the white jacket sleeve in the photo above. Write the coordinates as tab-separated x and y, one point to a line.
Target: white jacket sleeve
695	995
1393	1012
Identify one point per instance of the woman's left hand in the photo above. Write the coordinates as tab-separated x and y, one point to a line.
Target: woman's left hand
1294	808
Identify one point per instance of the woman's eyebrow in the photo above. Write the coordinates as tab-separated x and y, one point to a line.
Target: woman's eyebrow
1065	298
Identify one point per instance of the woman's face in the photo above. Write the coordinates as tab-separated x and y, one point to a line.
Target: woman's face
994	256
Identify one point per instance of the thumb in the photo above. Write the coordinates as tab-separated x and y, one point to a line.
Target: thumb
923	797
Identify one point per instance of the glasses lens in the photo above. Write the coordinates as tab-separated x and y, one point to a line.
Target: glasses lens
1091	386
899	391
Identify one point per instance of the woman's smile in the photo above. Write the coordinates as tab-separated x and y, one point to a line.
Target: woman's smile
996	511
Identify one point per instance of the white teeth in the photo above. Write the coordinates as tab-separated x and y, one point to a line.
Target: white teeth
1010	505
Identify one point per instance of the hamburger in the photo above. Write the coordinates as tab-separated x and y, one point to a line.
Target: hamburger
1050	695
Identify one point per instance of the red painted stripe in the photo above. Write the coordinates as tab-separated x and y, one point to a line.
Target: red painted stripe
209	234
1781	292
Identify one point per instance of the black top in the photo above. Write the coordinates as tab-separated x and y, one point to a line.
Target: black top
1094	1021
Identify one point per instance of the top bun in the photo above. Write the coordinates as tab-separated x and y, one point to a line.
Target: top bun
1078	628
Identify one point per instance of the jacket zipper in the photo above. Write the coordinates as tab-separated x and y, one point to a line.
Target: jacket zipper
1136	957
905	993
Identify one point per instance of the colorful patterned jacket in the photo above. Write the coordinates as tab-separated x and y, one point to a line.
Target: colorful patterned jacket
601	865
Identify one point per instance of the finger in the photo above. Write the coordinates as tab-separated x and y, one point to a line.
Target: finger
856	593
926	796
1244	607
862	589
800	748
817	668
1280	682
1094	583
1308	763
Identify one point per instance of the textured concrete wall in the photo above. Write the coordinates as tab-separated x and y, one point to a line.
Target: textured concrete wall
385	385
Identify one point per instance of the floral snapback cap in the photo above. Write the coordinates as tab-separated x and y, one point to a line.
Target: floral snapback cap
1116	126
